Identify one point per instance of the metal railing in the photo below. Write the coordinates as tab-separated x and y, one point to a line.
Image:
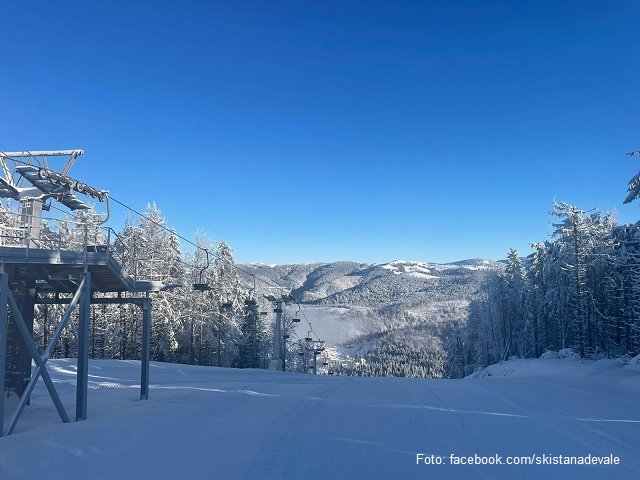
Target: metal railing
149	269
56	234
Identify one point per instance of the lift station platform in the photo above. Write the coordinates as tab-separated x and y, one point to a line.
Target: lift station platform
37	270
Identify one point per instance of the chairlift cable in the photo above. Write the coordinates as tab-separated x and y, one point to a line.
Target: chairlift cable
171	231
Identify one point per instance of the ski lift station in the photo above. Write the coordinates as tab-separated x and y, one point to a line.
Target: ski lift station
38	268
34	269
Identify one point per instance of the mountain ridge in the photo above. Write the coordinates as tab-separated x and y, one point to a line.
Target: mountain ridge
396	316
319	281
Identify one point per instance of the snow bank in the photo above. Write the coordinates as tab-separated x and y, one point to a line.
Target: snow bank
634	364
566	365
549	354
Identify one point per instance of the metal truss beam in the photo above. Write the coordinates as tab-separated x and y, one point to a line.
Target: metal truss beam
72	154
46	153
94	300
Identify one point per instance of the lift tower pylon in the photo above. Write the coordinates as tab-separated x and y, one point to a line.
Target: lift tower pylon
277	357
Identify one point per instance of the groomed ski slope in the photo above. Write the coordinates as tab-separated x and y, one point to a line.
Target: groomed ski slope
216	423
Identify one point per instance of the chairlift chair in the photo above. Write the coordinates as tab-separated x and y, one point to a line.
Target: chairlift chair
203	287
251	301
227	305
288	298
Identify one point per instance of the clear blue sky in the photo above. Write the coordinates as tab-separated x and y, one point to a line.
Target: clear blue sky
321	131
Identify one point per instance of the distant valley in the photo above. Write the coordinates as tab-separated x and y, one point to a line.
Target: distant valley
396	316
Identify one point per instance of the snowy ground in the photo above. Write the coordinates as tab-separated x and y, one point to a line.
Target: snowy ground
222	423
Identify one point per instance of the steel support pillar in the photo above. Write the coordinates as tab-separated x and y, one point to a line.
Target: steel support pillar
32	211
315	363
284	357
276	360
146	345
4	291
19	356
83	348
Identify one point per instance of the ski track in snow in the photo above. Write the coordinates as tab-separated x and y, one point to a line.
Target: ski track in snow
250	424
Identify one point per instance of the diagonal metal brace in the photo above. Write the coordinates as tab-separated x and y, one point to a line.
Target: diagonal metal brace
33	350
45	357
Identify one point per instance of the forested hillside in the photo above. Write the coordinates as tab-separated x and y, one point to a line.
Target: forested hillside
579	291
390	319
396	316
213	327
